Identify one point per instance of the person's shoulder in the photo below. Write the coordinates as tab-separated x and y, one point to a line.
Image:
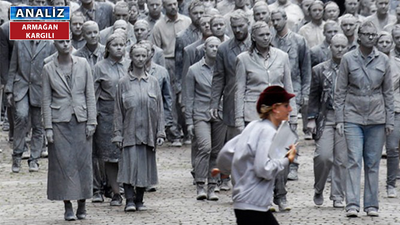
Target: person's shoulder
244	55
278	52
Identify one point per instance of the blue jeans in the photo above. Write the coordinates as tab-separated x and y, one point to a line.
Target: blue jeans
364	142
392	151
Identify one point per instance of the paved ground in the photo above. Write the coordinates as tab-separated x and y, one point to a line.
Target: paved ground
23	197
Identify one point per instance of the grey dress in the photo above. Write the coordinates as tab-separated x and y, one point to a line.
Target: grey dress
138	122
106	76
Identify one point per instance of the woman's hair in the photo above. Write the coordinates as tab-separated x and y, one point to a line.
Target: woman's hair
257	25
265	111
111	38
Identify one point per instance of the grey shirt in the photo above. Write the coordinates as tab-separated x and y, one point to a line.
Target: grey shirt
139	113
91	57
364	92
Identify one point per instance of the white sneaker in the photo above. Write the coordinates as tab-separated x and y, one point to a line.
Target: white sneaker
372	212
391	192
26	155
352	213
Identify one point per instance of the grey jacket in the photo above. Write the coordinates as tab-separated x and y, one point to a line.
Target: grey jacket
131	38
60	101
224	79
321	93
297	49
364	92
92	58
163	79
246	157
253	75
320	53
183	39
6	46
198	92
25	74
395	69
189	58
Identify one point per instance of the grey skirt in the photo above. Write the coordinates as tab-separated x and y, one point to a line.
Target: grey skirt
70	174
138	166
105	149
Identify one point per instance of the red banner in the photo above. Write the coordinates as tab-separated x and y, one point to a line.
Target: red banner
39	30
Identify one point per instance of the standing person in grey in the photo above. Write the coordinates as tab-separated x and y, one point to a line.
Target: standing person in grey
330	153
76	22
392	141
93	52
69	128
321	52
24	92
313	31
224	79
138	127
382	17
106	75
364	114
297	49
209	132
155	14
100	12
259	67
142	33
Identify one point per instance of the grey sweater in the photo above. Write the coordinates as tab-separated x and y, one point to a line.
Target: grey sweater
253	172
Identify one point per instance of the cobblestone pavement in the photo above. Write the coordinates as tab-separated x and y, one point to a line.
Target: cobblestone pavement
23	197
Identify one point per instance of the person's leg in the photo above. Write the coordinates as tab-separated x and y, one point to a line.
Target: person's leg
373	144
81	211
392	150
139	199
294	166
231	132
21	119
323	159
10	116
111	170
97	178
338	186
202	131
130	198
354	135
37	138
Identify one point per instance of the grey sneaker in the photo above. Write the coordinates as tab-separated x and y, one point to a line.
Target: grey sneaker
283	206
211	193
372	212
176	143
225	185
293	175
338	204
33	166
351	213
201	193
391	192
116	200
44	153
16	165
318	199
26	155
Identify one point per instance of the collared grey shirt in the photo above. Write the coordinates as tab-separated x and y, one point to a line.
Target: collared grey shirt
364	91
91	57
165	31
139	113
106	75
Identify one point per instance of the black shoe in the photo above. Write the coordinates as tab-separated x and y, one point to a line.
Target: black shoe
69	212
81	212
97	198
151	189
16	165
116	200
130	206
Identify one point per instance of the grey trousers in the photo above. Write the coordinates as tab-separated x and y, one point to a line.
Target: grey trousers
331	153
23	113
392	150
210	136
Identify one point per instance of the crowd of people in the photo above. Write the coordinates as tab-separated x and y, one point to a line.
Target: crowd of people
138	73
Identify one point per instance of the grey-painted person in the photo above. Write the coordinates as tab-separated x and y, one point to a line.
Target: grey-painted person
224	79
246	158
24	92
330	153
100	12
313	30
76	22
259	67
364	114
349	25
209	132
382	17
69	128
155	8
321	52
138	128
106	75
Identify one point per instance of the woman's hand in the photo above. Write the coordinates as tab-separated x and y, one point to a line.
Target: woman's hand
90	129
118	144
312	126
291	154
340	128
49	135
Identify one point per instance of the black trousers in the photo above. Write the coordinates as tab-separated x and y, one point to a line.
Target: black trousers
250	217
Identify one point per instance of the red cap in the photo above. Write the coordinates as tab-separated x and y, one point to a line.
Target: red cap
272	95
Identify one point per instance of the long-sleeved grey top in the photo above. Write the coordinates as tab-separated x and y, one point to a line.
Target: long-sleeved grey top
246	157
364	91
139	113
